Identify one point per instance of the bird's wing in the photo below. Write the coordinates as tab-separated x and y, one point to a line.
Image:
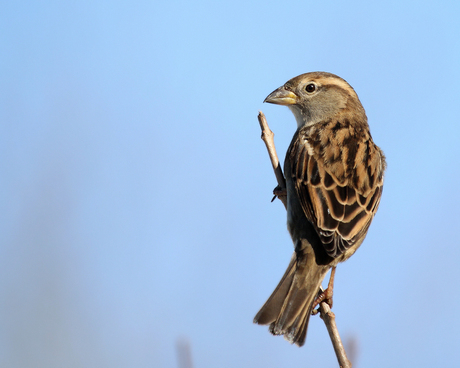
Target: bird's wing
339	183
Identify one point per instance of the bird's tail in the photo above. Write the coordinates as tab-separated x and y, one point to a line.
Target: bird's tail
288	309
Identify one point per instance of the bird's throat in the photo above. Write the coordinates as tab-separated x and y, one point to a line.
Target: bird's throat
301	119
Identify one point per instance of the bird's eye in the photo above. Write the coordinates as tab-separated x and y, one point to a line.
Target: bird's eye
310	88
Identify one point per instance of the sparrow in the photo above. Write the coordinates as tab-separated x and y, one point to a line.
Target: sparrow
334	179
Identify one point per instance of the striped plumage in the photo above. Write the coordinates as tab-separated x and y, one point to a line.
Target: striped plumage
334	179
339	178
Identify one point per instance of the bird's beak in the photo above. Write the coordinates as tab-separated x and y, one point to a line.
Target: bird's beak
282	96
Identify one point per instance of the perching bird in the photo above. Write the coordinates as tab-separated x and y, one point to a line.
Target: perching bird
334	180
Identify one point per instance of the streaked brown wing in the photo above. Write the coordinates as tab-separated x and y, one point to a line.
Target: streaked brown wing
339	186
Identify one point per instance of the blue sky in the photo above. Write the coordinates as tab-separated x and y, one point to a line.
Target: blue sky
135	190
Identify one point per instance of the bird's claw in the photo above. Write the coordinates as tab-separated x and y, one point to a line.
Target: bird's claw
326	295
279	192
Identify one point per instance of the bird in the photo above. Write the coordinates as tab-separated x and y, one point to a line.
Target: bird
334	180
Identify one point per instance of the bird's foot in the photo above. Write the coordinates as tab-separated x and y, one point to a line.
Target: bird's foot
279	192
326	295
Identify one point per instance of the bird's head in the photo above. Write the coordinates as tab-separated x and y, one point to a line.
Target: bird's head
317	96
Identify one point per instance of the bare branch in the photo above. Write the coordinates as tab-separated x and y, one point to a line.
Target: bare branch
326	313
329	320
267	137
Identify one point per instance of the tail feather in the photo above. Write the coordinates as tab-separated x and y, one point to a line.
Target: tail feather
288	309
271	309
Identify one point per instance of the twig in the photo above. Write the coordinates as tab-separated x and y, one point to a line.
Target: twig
267	137
329	320
326	314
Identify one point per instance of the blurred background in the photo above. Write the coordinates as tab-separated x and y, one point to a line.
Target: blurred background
135	190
